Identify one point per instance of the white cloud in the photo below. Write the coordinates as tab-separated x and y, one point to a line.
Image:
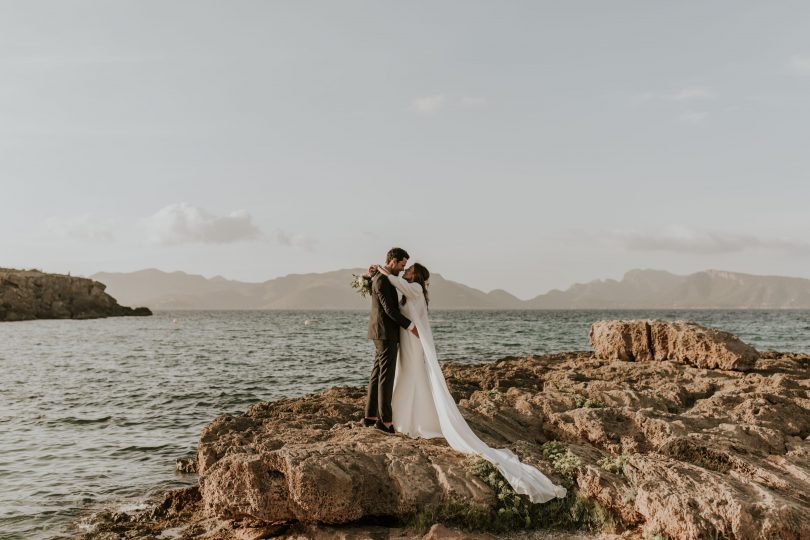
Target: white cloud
428	104
182	223
684	239
83	227
300	241
693	117
799	64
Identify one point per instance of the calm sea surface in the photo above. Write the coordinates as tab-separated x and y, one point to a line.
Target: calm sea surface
94	413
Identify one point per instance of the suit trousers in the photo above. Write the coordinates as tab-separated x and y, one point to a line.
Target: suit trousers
381	382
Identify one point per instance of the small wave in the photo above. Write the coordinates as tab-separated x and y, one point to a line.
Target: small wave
81	421
138	449
125	422
133	507
85	525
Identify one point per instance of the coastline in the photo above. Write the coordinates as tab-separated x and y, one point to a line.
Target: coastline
31	295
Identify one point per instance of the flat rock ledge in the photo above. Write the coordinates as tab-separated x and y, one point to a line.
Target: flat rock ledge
31	294
677	341
648	449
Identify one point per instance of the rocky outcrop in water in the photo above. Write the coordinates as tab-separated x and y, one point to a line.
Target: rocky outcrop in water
31	294
677	341
646	448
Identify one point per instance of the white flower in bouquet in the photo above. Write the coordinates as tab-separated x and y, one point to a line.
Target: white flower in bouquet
362	284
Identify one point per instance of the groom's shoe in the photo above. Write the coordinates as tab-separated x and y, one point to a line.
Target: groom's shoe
388	429
368	422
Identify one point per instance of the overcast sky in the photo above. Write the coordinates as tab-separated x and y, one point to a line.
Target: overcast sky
514	145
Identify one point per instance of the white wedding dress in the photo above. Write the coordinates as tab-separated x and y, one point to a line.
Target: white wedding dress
423	407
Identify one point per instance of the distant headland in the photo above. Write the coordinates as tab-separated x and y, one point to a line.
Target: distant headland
32	294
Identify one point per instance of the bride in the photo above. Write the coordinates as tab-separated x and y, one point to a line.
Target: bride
422	404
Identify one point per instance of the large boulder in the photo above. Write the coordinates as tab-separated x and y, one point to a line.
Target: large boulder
31	294
275	463
685	342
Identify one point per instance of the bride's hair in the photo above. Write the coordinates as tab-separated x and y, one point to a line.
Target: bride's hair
420	275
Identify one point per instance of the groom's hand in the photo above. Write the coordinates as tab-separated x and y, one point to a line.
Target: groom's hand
414	331
372	269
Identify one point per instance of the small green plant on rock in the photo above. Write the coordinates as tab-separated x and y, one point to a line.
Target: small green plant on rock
515	512
614	465
563	461
587	403
495	394
511	508
588	514
452	512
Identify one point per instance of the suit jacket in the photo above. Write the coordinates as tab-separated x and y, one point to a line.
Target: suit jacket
386	318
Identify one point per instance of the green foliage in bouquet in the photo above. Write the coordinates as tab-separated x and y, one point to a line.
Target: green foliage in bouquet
362	284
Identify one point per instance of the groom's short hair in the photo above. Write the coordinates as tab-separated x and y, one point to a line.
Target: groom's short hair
396	254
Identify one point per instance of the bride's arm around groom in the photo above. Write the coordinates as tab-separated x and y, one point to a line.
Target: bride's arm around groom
411	291
385	302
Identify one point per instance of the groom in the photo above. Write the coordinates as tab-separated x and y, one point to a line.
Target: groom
383	329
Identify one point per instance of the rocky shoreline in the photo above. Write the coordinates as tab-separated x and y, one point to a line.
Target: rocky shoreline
31	294
651	445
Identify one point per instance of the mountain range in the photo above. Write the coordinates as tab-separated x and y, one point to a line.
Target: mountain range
638	289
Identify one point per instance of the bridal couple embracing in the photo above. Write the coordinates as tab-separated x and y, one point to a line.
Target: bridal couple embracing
407	392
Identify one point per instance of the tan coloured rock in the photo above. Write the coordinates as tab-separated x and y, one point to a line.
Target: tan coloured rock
685	342
688	452
702	448
628	341
700	502
332	475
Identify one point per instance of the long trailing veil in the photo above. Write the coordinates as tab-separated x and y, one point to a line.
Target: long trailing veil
523	478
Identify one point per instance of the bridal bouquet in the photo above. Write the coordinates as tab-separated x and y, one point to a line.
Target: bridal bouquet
362	284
